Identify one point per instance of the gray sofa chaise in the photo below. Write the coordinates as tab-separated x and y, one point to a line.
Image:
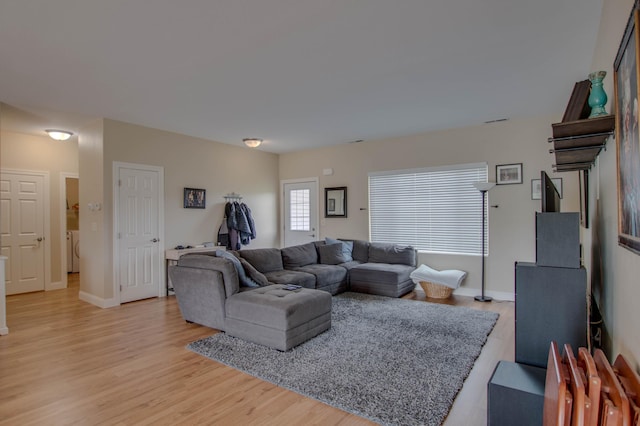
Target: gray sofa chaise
209	293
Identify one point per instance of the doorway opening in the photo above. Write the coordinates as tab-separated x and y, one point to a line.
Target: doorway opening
70	228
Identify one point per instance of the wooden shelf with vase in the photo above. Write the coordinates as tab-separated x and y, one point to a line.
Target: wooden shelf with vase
578	140
576	144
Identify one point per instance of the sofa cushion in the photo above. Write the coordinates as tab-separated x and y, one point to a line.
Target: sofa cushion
382	278
331	254
255	275
287	276
392	253
264	260
350	265
360	250
224	266
347	248
332	278
278	318
301	255
245	281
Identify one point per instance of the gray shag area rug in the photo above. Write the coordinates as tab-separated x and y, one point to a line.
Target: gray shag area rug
393	361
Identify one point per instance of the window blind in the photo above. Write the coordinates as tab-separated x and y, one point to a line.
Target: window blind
434	209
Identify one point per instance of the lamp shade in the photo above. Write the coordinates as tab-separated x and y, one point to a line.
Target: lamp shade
59	135
484	186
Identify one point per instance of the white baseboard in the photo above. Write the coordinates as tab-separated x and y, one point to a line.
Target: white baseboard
98	301
4	331
498	295
58	285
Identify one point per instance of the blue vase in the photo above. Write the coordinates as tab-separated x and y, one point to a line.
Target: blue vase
597	97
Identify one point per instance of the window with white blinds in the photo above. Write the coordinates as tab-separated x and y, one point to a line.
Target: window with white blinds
434	209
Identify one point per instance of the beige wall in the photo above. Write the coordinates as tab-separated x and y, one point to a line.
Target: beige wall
41	153
187	162
93	251
511	225
614	270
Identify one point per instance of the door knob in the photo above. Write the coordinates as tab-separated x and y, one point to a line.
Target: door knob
39	239
155	240
312	235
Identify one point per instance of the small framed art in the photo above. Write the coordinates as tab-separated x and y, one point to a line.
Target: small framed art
536	191
508	174
194	198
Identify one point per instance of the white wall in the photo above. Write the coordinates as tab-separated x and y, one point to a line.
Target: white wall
511	225
614	269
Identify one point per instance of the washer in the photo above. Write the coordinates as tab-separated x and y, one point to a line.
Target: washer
69	252
75	255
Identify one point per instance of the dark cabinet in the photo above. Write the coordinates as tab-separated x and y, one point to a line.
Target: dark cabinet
558	240
515	395
551	304
551	294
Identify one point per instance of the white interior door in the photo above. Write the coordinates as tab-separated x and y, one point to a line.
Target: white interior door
138	232
23	230
300	212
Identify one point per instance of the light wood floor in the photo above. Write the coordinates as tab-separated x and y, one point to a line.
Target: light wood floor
65	361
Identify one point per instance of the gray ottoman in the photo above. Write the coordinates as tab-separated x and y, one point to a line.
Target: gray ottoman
278	318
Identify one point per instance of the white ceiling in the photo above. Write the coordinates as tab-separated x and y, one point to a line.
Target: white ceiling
298	73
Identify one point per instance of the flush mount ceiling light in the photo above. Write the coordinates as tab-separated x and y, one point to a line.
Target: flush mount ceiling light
59	135
252	142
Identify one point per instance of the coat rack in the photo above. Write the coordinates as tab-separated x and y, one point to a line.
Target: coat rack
233	197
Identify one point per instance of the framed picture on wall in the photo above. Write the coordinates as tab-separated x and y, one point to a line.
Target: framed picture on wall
536	191
508	174
627	137
194	198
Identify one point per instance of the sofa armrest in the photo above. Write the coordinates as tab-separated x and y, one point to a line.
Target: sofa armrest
201	295
213	263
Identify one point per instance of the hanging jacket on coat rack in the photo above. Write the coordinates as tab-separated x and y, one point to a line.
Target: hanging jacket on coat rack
223	234
240	224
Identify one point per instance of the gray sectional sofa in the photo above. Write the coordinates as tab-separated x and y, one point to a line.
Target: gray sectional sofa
210	289
374	268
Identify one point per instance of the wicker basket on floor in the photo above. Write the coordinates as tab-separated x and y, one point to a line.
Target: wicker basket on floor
436	291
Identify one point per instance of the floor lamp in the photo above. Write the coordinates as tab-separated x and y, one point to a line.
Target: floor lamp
483	187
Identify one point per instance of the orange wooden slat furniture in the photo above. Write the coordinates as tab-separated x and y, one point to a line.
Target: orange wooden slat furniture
557	397
581	413
631	384
614	409
593	384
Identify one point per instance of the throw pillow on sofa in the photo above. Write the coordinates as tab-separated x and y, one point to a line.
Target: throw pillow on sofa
245	281
254	273
331	254
347	248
